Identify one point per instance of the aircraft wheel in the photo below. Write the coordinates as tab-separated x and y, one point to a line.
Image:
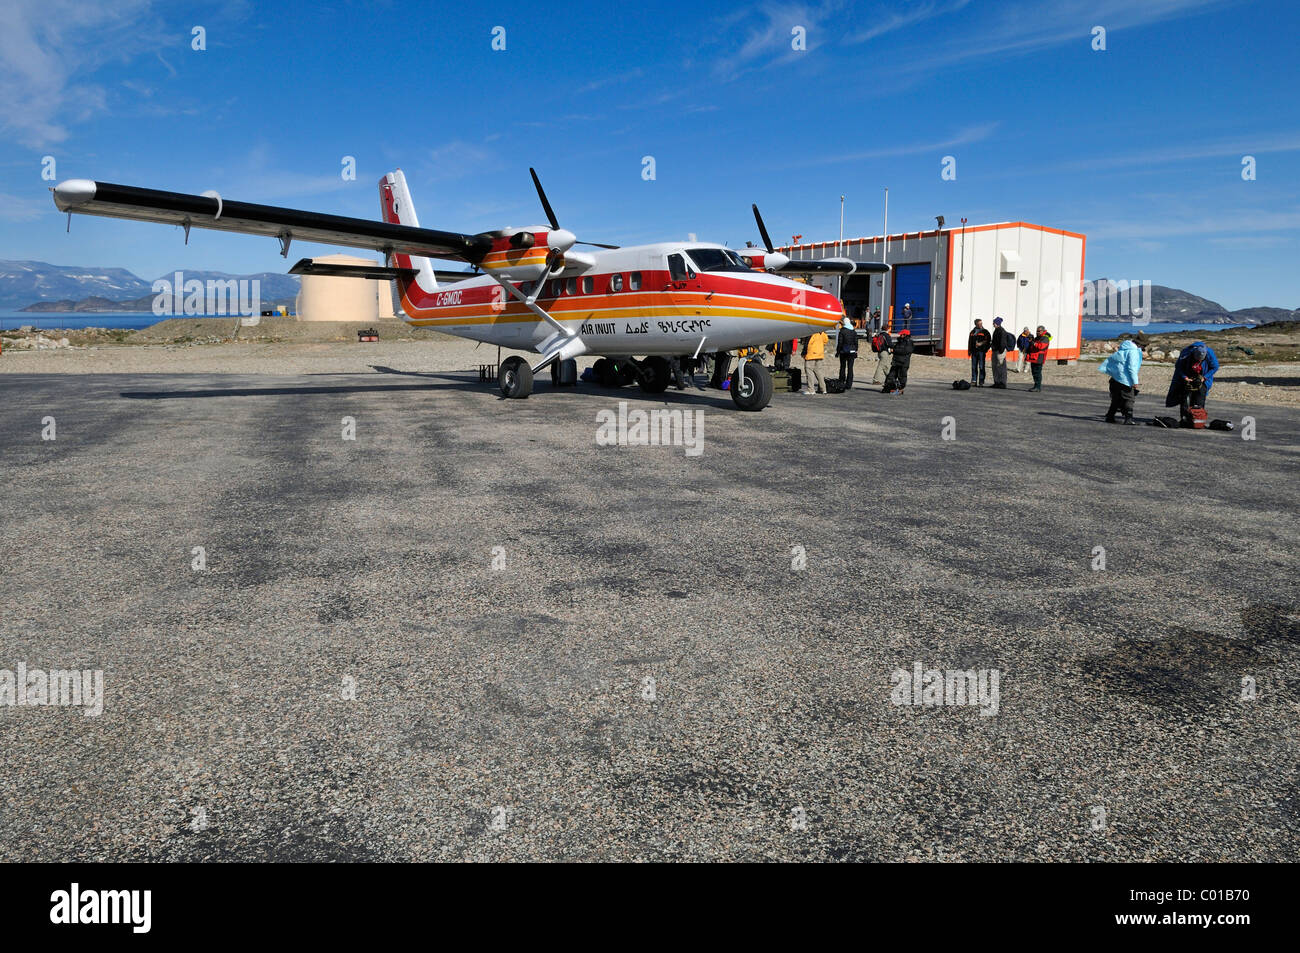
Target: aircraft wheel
624	373
655	375
564	373
756	392
515	378
603	371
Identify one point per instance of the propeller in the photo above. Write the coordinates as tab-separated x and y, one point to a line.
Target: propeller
762	229
550	212
541	194
773	260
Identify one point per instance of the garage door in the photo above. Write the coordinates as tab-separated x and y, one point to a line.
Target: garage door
912	283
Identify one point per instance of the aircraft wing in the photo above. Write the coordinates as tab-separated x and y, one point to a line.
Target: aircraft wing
210	211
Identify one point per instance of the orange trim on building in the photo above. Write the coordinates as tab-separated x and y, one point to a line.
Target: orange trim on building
1083	259
947	302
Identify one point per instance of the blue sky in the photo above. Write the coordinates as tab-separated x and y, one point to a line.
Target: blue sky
1139	146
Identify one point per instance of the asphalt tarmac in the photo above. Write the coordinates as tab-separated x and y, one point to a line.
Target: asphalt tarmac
475	632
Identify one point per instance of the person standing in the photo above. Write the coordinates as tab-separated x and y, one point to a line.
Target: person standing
978	345
1022	345
1038	356
1123	367
675	368
814	351
906	321
881	343
903	348
721	368
781	352
1003	343
846	346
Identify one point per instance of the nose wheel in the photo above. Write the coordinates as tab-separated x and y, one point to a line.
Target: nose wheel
751	386
515	378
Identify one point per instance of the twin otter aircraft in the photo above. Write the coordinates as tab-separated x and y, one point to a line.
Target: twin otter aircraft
639	305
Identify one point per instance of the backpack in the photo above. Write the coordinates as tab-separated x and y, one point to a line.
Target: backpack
877	342
961	385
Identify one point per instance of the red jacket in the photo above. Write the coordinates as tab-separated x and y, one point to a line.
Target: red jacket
1038	349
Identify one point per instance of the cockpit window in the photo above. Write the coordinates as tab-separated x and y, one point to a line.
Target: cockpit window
677	268
717	259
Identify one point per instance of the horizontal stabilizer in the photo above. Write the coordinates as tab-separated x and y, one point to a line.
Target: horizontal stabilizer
310	266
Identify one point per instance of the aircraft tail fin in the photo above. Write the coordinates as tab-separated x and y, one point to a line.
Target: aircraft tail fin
397	208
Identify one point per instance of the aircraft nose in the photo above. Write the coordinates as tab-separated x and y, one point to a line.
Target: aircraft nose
73	192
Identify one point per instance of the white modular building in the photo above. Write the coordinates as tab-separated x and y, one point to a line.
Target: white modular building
1026	274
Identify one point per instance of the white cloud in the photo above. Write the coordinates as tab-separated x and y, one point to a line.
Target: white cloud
1256	145
963	137
1243	223
19	208
1031	27
458	158
769	40
915	13
49	52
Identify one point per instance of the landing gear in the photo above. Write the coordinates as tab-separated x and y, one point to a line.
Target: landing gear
515	378
655	375
755	391
611	372
564	373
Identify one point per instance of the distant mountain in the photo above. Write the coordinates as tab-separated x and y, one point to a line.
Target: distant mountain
1181	307
24	283
1266	315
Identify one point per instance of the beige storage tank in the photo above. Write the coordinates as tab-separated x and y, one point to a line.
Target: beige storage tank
328	298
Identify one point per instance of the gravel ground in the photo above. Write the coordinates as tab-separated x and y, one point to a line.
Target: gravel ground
414	351
521	693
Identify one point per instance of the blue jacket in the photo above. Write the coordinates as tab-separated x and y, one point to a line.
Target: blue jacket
1124	364
1183	367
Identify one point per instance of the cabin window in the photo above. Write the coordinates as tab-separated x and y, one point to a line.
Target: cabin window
634	280
616	283
587	285
555	287
570	286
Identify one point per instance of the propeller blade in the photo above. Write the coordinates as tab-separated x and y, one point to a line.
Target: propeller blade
762	229
597	245
541	194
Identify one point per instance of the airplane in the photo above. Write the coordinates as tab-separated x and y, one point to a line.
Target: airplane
637	305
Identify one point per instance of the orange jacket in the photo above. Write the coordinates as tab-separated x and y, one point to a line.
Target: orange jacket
815	349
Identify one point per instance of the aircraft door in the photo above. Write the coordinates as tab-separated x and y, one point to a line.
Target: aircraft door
685	289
